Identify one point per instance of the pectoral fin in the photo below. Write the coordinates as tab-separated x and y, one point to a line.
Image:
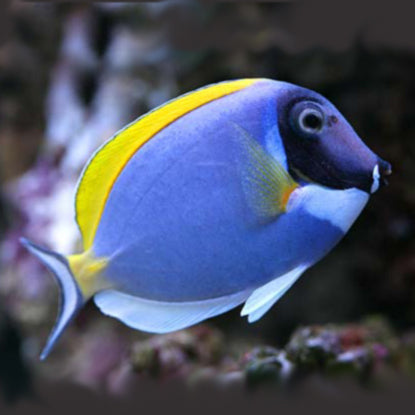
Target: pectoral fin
266	184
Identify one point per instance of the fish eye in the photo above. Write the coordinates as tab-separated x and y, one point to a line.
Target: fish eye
308	117
310	120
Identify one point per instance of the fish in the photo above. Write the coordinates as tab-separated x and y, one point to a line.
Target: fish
221	197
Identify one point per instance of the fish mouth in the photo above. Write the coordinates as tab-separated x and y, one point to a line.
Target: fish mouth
381	170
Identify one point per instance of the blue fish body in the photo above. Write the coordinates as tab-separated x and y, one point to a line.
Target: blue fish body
223	205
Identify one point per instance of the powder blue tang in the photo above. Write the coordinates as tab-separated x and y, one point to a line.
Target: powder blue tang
238	190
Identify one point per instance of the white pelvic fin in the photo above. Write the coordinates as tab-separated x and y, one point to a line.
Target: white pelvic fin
263	298
163	317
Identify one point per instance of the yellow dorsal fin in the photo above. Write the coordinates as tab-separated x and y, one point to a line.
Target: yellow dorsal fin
109	160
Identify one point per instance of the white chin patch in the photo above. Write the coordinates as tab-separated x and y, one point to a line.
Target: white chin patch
376	177
340	207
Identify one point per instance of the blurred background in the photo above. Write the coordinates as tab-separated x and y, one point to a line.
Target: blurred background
71	75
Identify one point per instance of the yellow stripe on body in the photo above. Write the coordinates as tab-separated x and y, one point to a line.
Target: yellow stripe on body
107	163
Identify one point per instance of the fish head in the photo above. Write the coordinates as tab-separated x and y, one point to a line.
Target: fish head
322	147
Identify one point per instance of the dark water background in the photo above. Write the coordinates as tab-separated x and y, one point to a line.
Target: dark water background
360	56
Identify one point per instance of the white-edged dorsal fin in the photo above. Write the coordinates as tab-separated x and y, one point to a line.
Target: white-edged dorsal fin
263	298
163	317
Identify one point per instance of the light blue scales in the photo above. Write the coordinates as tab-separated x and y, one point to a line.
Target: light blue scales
223	196
157	235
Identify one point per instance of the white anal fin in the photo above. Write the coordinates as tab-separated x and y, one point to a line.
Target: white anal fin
263	298
163	317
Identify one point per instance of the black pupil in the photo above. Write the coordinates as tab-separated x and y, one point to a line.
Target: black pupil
312	121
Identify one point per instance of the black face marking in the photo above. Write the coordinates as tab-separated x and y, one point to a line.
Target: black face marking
320	144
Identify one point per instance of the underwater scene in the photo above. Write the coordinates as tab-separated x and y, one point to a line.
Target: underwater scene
169	171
